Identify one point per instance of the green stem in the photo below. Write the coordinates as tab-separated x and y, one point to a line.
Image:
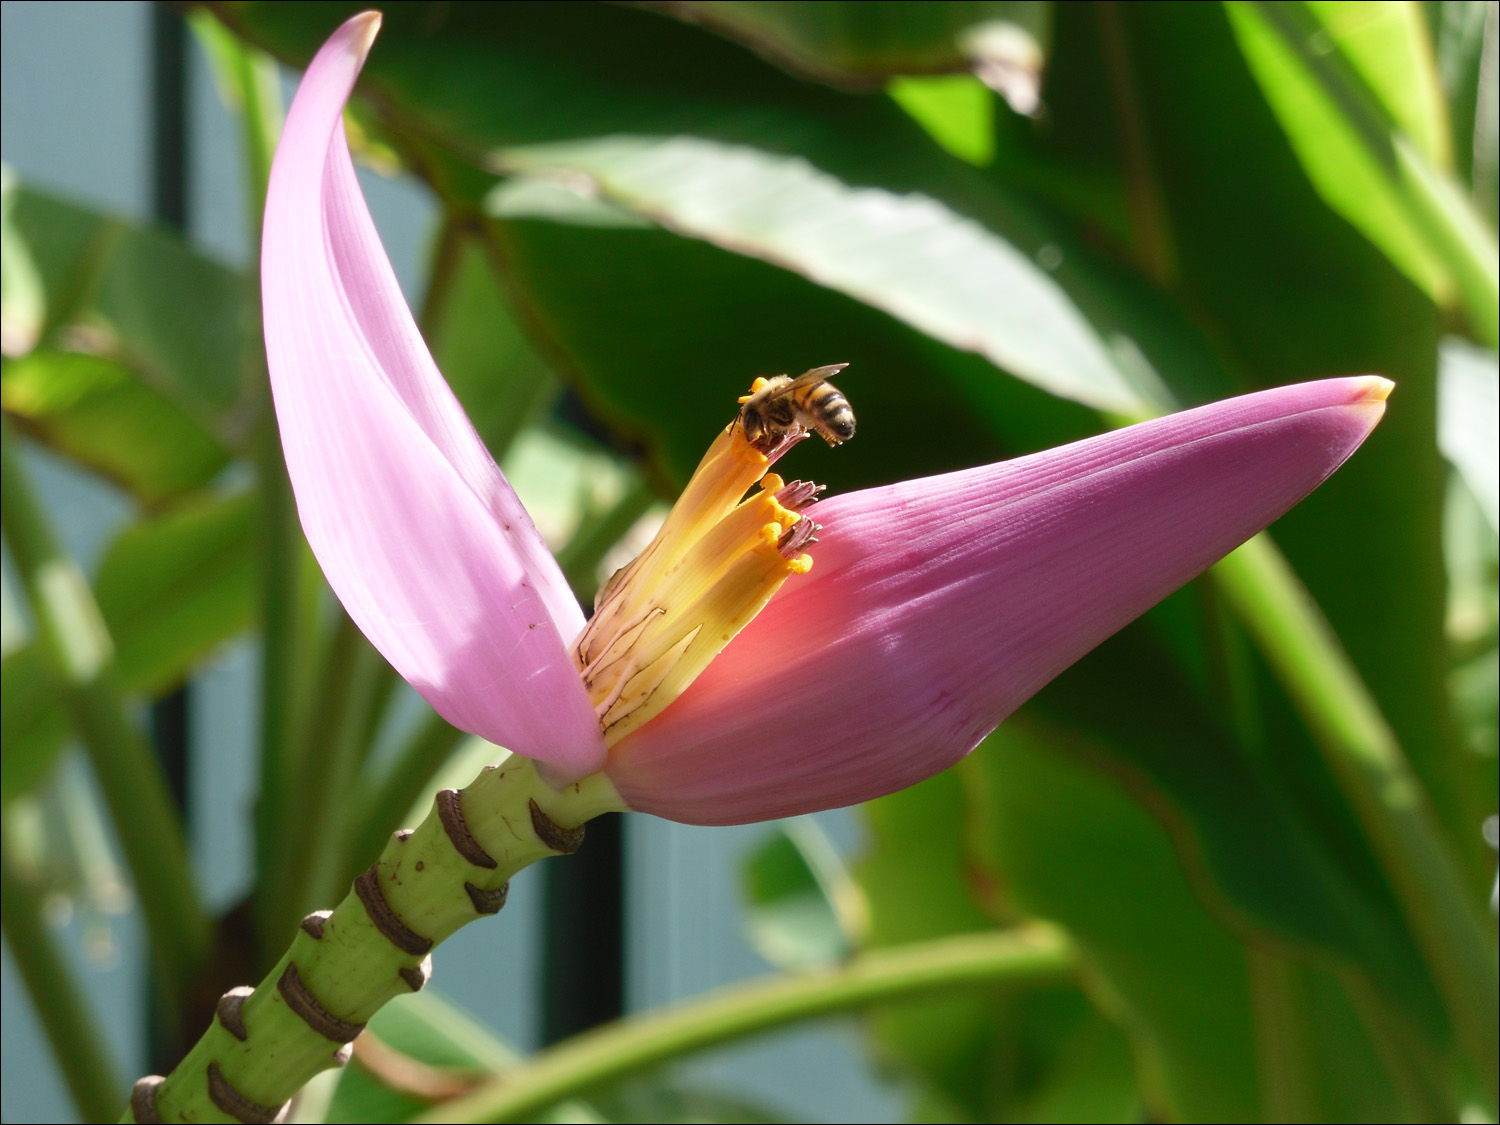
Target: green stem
325	861
1023	958
319	761
283	626
77	646
342	967
1366	760
249	84
59	1004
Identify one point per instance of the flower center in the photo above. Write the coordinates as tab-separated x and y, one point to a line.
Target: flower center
718	558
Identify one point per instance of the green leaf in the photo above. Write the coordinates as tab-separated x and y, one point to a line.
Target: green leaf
174	587
1360	103
1127	709
990	1056
34	724
171	589
1469	419
1388	46
857	43
22	299
956	110
1087	857
801	905
94	410
940	272
480	348
444	1042
136	295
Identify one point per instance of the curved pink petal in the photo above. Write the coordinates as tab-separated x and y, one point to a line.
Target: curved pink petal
417	531
936	607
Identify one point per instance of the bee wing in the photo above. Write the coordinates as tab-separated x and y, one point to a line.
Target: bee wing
816	375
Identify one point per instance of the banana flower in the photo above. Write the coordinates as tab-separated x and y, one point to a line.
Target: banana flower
734	672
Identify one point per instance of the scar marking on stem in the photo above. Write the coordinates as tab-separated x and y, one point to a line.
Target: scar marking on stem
342	1056
234	1103
143	1100
385	919
403	834
313	923
228	1010
554	835
450	807
306	1005
487	902
416	976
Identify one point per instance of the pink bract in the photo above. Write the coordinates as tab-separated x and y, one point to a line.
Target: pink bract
938	606
420	535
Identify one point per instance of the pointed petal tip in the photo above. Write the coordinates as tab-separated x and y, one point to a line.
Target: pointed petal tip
358	33
1374	388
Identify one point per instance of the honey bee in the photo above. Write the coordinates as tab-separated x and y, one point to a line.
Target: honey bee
810	401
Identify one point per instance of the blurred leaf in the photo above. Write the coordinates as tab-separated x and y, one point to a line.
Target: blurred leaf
798	899
659	1100
856	43
1349	94
1290	291
1458	38
174	587
22	300
94	410
1108	873
31	717
907	254
423	1038
433	1034
991	1056
1388	46
174	320
1469	419
480	348
956	110
1127	710
171	589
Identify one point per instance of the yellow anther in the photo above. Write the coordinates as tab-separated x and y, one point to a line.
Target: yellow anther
711	568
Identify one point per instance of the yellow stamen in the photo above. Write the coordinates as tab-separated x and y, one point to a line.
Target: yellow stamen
712	567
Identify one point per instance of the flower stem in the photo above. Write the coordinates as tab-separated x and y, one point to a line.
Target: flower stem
1365	758
78	647
343	966
1028	957
60	1006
